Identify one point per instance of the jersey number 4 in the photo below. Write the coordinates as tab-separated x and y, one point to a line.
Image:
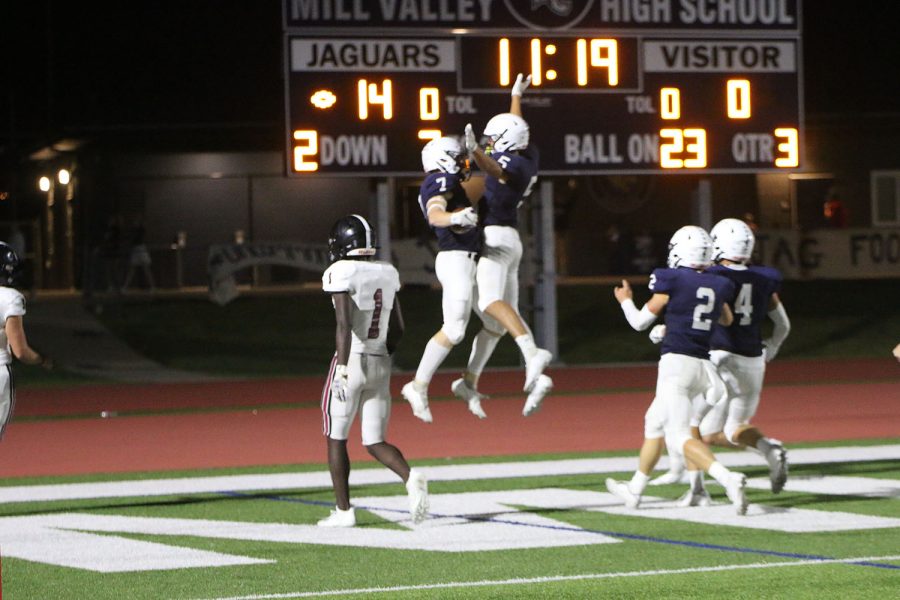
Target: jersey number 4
743	305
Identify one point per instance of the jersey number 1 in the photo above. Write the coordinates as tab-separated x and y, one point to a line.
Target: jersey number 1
374	328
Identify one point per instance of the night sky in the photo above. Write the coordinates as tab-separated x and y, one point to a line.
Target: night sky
83	68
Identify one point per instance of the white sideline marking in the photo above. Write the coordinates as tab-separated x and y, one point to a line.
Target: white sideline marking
465	472
835	485
555	578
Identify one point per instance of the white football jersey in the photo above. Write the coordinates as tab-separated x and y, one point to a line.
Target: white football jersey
12	304
372	286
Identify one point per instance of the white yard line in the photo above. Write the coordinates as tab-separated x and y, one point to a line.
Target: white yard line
464	472
556	578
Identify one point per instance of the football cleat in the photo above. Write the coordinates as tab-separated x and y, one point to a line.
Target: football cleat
695	498
339	518
462	390
541	388
417	400
535	365
670	477
621	491
778	467
734	489
417	489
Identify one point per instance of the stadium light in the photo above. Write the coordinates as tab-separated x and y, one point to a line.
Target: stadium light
44	184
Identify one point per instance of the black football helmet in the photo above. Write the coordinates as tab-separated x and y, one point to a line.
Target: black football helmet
9	264
351	237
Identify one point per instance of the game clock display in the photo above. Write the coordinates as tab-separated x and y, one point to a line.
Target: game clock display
656	101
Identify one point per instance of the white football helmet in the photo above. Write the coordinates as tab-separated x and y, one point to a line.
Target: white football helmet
507	131
691	247
442	154
732	239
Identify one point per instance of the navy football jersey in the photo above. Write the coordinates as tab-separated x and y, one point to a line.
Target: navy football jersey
503	199
695	304
754	287
450	187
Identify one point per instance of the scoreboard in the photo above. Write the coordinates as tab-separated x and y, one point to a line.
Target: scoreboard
618	86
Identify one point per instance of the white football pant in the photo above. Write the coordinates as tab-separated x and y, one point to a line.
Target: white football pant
497	274
680	378
369	378
455	269
743	377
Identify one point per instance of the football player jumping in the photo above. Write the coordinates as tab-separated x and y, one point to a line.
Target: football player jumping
12	334
510	165
449	212
369	324
693	300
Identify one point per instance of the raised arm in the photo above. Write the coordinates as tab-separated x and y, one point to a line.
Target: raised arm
518	88
639	319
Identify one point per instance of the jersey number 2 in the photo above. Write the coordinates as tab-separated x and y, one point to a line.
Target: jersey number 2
702	321
374	328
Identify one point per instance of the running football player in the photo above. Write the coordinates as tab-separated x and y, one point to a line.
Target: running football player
369	324
13	341
740	355
739	352
510	165
450	214
693	301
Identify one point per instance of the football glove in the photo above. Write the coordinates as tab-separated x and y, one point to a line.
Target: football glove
340	387
769	349
658	333
520	85
471	142
466	218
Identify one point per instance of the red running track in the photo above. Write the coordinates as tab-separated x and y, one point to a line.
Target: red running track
802	401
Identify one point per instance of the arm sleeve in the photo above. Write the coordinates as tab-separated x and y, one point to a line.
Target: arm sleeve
782	326
638	319
15	307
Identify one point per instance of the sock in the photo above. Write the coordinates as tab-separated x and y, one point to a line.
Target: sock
482	349
638	483
676	463
718	472
526	345
432	358
696	479
764	445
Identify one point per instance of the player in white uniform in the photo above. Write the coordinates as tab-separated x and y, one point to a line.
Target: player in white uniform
449	212
693	300
12	335
369	323
510	173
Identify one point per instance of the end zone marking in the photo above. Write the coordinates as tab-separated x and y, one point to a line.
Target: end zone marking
555	578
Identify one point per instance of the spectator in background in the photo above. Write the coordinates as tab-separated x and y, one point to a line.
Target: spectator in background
833	210
750	220
109	252
139	256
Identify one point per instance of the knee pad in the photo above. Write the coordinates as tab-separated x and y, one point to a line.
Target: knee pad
676	438
455	331
730	428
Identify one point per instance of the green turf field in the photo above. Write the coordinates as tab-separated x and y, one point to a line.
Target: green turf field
540	527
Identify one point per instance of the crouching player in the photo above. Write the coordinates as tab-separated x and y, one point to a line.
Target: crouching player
369	323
